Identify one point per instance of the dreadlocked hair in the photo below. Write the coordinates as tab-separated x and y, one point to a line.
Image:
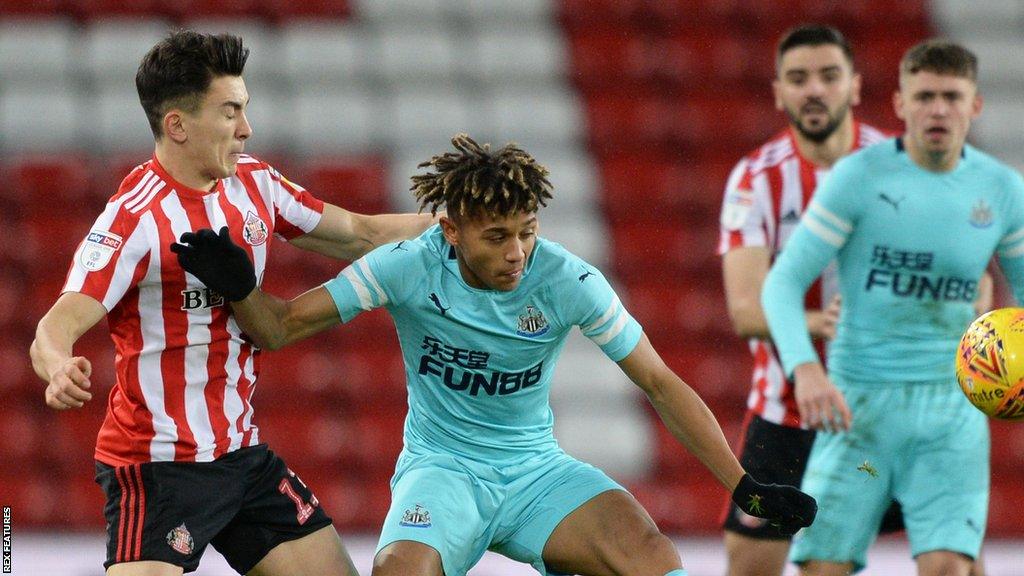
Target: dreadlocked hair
475	180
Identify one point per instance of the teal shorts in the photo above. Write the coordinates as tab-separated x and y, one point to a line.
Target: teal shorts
462	507
924	445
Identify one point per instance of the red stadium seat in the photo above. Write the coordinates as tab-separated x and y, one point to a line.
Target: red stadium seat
365	444
22	437
33	493
355	504
89	9
19	8
683	507
196	9
627	121
674	311
314	9
1004	512
709	56
43	182
604	58
666	248
356	184
581	14
733	122
328	372
640	187
1007	448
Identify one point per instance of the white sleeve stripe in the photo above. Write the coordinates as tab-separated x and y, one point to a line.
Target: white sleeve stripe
822	231
1013	252
364	269
736	175
611	333
1011	238
149	197
365	302
830	217
137	191
610	313
143	194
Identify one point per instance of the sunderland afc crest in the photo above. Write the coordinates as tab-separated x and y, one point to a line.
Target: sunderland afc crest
255	230
181	541
533	323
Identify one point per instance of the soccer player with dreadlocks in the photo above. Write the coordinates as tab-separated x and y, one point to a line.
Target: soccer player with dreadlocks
483	307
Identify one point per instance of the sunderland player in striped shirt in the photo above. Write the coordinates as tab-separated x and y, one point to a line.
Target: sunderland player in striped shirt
912	224
483	307
178	455
816	87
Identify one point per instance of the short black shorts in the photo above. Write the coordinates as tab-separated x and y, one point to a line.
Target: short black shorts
777	454
244	504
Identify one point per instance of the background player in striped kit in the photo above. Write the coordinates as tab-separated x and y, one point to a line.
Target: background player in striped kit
912	224
816	87
178	456
483	307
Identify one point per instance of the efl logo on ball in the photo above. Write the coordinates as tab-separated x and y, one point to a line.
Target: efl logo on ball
990	363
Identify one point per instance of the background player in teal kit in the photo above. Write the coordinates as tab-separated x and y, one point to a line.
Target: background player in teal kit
483	307
913	222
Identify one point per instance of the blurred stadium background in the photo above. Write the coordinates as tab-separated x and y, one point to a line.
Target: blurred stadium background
639	108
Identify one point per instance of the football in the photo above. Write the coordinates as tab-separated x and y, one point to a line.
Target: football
990	363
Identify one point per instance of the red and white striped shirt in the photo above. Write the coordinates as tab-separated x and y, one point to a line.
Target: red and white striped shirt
765	197
185	375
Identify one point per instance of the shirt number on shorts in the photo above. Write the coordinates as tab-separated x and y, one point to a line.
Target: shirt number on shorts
304	510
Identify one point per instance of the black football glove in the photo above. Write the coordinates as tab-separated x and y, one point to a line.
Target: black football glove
217	262
785	507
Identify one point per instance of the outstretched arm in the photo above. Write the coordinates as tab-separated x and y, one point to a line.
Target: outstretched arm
347	235
67	376
683	412
272	322
222	265
693	424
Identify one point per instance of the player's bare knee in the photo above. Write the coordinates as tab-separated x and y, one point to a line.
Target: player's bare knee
407	559
649	552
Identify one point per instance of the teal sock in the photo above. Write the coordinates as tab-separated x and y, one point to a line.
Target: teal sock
679	572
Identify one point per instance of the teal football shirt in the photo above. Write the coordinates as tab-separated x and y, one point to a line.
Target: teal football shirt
479	362
911	246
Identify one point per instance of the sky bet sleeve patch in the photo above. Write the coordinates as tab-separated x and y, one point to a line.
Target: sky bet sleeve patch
737	208
98	248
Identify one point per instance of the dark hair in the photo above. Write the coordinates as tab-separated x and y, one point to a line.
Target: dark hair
812	35
476	181
941	57
177	71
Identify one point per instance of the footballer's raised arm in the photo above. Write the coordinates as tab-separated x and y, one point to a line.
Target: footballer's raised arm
272	322
348	235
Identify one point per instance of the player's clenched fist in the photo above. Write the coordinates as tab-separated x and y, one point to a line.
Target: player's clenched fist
784	506
69	385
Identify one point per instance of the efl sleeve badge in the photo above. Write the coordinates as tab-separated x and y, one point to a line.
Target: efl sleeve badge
97	250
